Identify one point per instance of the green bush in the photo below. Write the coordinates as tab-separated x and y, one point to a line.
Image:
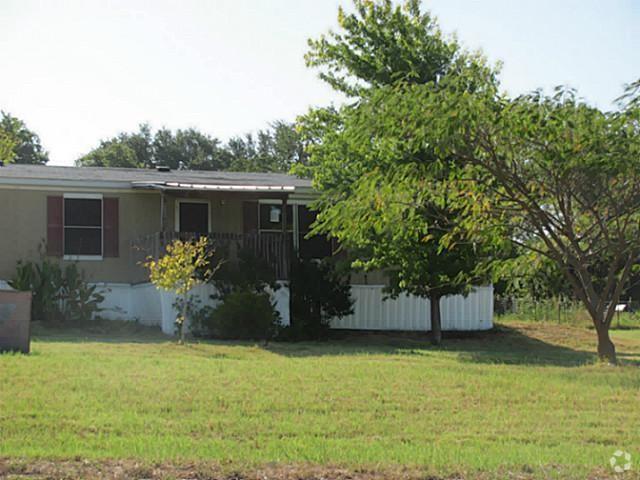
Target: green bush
249	272
242	315
200	319
318	294
245	311
60	295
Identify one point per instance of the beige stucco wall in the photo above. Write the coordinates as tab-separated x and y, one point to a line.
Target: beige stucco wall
23	227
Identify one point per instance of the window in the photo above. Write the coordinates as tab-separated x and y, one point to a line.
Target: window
192	216
299	220
83	225
271	217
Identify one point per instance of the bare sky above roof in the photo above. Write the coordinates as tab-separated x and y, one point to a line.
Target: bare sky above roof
81	70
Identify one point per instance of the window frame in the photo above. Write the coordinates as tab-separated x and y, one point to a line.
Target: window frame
276	202
176	216
82	196
295	226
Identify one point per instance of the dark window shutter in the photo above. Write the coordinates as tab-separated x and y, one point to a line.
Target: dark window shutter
54	226
110	247
250	217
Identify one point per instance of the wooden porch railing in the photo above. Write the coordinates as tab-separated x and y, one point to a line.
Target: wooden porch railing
274	248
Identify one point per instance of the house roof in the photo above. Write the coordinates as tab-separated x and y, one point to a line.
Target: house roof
149	178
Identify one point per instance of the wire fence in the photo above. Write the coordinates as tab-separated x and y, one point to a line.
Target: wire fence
562	310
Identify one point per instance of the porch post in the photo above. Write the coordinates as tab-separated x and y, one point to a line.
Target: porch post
163	212
285	250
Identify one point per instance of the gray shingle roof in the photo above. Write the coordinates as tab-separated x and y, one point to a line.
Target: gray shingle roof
130	175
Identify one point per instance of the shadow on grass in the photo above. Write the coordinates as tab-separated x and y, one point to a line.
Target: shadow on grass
501	345
513	347
104	331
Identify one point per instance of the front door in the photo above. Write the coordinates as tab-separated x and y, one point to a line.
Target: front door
193	217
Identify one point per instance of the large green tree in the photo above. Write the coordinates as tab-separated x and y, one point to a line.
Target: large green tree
564	177
20	145
550	173
388	206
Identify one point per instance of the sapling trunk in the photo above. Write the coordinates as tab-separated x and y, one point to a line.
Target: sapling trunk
436	325
184	318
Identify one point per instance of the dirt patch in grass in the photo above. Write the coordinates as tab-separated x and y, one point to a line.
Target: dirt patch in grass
11	469
117	470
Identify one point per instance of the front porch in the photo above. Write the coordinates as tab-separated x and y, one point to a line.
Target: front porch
276	249
234	217
271	220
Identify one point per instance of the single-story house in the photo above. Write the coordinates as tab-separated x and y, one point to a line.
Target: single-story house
110	219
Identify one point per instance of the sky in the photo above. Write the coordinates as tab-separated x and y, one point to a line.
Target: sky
77	71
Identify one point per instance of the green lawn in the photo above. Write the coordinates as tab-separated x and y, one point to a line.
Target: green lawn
528	398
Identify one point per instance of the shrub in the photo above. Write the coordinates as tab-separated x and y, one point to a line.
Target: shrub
200	323
79	301
242	315
245	310
249	272
60	295
318	294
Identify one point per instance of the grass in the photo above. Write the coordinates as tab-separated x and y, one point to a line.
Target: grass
528	399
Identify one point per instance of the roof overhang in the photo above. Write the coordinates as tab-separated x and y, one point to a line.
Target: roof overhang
207	187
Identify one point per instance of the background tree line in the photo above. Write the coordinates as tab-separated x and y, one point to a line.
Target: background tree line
19	144
275	149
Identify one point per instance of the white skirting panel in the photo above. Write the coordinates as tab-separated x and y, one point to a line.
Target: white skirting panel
146	304
149	306
410	313
117	304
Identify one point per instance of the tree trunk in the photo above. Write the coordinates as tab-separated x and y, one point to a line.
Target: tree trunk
606	348
184	318
436	326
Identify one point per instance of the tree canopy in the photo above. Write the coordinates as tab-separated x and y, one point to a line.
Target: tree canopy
273	150
446	175
399	198
549	173
18	144
7	146
381	44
